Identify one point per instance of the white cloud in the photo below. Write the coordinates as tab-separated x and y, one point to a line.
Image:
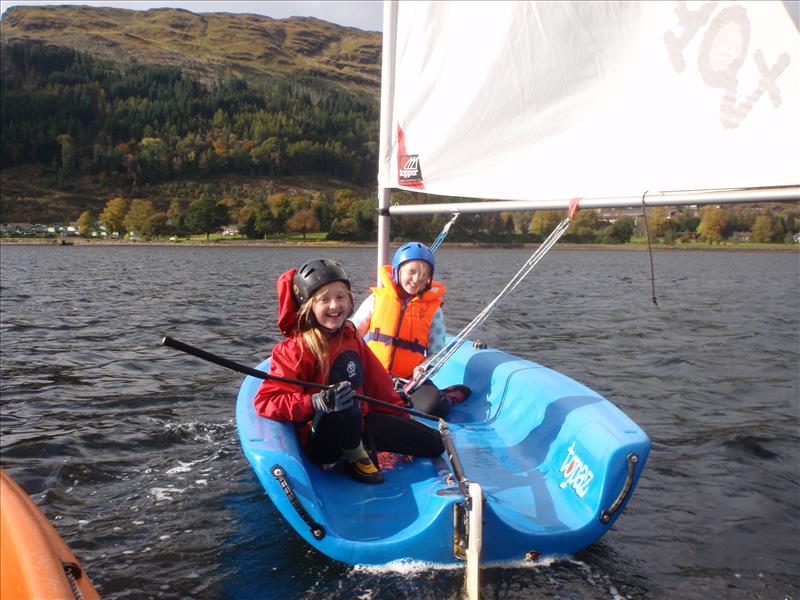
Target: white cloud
363	14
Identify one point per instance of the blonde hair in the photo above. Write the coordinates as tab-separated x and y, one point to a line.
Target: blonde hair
316	339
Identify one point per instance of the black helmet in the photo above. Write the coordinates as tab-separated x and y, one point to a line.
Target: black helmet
313	275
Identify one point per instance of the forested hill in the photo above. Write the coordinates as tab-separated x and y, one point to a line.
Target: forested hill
165	122
208	46
102	101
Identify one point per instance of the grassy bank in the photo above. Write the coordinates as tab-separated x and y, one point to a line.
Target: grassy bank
318	240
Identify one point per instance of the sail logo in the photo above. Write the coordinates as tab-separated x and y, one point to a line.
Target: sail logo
576	474
722	56
410	170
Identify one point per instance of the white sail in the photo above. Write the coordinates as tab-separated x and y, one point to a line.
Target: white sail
543	100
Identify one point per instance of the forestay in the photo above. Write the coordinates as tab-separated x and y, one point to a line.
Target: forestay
543	100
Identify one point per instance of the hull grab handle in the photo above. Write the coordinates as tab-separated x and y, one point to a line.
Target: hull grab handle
605	515
279	473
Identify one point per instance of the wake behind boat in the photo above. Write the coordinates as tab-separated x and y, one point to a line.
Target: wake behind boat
556	462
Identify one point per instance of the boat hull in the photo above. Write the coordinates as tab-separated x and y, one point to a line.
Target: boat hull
35	562
557	464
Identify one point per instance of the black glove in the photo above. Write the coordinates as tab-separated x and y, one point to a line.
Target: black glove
335	398
399	384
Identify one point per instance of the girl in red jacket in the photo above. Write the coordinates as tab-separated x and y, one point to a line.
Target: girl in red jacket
323	347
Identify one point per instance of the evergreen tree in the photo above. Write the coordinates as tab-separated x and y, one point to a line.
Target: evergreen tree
204	215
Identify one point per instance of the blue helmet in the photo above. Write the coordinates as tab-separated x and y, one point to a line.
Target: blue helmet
411	251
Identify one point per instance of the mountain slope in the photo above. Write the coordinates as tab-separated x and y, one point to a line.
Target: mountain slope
208	45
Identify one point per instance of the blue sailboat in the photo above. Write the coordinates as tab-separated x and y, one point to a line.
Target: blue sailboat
555	461
523	106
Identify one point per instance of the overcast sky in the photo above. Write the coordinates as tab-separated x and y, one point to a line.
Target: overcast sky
364	14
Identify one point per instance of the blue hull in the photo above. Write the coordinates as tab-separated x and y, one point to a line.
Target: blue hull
556	461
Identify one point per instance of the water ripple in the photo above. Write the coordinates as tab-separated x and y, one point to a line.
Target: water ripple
131	448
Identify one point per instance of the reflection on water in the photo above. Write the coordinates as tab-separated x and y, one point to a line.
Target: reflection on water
131	448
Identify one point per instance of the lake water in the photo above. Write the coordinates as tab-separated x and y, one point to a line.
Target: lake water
131	448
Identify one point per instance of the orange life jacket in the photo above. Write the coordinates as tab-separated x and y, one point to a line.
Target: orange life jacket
398	333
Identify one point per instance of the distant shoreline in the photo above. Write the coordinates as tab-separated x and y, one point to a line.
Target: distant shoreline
726	247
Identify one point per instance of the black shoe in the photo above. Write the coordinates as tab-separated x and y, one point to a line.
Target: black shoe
364	471
373	456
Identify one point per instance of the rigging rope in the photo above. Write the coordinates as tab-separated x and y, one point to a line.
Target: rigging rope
445	353
443	234
650	252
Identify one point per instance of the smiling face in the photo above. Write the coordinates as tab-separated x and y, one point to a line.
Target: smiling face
332	304
414	276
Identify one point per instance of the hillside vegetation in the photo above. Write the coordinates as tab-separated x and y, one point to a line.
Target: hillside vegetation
208	47
101	102
164	122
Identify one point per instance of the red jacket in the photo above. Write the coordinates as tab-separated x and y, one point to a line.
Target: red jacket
291	359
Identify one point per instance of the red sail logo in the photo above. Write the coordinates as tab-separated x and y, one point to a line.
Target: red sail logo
408	167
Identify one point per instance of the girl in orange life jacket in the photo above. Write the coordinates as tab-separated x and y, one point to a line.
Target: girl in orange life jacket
323	347
403	323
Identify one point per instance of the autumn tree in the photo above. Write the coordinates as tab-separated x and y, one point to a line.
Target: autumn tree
351	219
544	222
281	207
140	218
175	217
86	223
220	120
712	223
343	199
657	223
522	222
266	156
583	226
763	229
113	215
303	221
